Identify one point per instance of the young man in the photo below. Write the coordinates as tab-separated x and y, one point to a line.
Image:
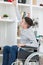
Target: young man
27	39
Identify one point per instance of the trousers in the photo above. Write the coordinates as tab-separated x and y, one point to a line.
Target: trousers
9	55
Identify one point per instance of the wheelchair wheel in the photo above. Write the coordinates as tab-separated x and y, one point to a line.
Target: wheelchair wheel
27	61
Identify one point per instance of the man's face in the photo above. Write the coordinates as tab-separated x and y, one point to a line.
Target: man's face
23	24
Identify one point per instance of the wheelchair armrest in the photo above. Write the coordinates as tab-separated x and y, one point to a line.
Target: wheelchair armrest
38	41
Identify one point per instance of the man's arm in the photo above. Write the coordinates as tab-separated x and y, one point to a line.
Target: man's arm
17	11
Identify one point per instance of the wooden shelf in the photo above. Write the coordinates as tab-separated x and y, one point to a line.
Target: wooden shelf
18	38
23	4
6	3
6	20
36	6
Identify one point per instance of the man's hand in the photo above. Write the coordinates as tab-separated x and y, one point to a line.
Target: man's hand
19	45
14	2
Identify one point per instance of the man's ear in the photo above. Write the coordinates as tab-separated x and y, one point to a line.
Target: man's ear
28	26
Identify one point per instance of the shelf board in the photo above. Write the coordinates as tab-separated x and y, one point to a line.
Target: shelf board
20	4
37	6
1	55
18	38
4	2
6	20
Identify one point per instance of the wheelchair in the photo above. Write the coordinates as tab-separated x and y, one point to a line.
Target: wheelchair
33	57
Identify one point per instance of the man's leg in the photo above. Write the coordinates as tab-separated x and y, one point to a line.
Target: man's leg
6	51
13	54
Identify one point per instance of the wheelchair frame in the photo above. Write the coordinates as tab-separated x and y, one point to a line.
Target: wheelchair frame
29	58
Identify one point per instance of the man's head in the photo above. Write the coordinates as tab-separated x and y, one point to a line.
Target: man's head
26	22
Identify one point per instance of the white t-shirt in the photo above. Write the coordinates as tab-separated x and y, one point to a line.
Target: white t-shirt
28	37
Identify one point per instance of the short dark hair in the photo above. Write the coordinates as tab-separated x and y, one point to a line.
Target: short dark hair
29	21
